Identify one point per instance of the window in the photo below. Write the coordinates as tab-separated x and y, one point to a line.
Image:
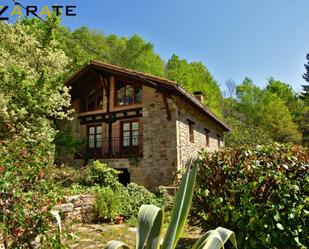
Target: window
191	130
207	133
219	140
94	137
92	102
130	133
127	94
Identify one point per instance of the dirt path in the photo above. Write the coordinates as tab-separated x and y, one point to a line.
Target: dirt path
96	236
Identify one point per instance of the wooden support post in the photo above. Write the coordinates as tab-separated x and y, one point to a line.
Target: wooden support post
106	84
168	113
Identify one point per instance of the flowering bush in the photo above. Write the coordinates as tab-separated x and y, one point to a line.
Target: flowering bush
32	98
261	193
25	197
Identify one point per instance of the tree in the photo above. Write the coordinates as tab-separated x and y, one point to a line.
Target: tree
266	111
304	123
29	74
231	87
195	76
285	92
32	97
277	120
84	44
305	93
249	99
245	134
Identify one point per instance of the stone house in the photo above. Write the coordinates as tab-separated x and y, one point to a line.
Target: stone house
144	125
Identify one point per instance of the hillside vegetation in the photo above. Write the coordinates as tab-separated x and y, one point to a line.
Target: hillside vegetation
257	115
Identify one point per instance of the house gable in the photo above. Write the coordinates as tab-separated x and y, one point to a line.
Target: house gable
164	86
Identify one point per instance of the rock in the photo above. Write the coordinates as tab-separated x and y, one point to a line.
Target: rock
132	229
72	199
64	208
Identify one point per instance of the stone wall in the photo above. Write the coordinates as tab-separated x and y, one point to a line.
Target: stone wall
78	208
187	149
159	163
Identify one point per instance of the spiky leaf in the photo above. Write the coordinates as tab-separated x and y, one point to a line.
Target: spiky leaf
149	227
115	244
180	209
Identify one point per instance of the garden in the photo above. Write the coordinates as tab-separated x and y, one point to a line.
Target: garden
259	192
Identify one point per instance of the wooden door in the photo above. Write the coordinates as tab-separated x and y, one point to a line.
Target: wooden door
130	139
95	142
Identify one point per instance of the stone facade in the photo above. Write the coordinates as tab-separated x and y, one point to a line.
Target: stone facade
187	149
163	120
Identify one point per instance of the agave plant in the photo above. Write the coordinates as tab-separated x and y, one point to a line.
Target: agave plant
151	219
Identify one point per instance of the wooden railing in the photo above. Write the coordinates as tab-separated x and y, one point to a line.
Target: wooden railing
114	148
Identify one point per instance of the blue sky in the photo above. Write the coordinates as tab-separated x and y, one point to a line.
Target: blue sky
234	39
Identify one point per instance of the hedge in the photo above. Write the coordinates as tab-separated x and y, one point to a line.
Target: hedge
259	192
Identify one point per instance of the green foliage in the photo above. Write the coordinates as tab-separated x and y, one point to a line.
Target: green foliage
151	219
304	126
62	176
107	203
132	52
26	150
304	97
276	118
260	192
164	199
25	197
29	68
305	93
132	221
99	174
66	144
195	77
283	90
134	195
290	99
243	133
258	116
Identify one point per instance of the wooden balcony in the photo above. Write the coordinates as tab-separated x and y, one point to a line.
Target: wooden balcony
112	148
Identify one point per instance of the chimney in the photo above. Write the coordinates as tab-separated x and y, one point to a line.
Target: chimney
199	96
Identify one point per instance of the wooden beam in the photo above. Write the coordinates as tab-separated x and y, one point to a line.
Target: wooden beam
168	113
104	83
103	120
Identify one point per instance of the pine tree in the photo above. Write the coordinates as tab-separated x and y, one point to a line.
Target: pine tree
305	92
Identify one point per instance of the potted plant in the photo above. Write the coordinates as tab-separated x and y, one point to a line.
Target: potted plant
118	219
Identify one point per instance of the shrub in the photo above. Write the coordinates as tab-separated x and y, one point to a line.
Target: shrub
99	174
132	221
64	176
133	196
150	219
26	198
260	192
66	144
164	199
107	203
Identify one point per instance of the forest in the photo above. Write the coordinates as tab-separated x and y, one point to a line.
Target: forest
256	115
